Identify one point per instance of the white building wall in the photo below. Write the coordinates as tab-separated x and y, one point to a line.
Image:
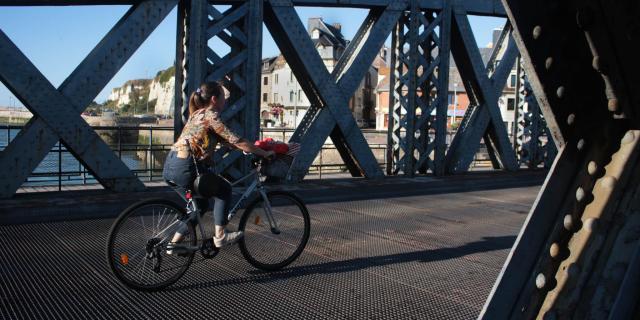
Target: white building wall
282	91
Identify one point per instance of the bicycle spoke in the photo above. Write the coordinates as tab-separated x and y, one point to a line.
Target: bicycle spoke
270	248
142	230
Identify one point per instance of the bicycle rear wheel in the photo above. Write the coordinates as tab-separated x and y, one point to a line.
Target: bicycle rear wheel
137	245
270	249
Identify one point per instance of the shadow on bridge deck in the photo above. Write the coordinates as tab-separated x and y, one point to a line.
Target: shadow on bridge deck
413	253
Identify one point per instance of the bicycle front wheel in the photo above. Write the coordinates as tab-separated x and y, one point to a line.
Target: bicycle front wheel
137	248
273	241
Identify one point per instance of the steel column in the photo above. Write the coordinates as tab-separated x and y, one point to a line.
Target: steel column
420	53
484	86
532	141
240	27
180	100
577	244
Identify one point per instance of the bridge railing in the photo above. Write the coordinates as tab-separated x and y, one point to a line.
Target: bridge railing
144	148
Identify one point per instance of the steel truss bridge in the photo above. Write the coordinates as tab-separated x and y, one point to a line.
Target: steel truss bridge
578	254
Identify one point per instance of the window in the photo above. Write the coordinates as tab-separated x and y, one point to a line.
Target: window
290	96
452	99
511	104
513	81
291	77
299	95
275	98
265	96
265	81
276	79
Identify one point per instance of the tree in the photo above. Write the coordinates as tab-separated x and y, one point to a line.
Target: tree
125	108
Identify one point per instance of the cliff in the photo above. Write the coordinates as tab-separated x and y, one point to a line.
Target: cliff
158	92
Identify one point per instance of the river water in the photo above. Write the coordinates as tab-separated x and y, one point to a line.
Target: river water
70	168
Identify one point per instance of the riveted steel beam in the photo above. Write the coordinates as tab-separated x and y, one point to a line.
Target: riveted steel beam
180	95
195	60
321	87
420	47
240	26
35	140
485	85
41	98
532	140
576	247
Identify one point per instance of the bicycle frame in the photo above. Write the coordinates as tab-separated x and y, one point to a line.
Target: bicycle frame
194	216
255	185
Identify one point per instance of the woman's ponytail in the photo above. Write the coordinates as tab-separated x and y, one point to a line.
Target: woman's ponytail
201	97
195	103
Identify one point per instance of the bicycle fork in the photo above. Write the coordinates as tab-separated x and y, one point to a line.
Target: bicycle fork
269	212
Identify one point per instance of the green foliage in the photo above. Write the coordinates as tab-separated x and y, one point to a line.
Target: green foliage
110	105
165	75
125	108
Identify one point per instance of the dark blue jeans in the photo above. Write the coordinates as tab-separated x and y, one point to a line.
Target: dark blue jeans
182	172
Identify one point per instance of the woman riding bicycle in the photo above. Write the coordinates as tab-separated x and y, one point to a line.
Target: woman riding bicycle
203	131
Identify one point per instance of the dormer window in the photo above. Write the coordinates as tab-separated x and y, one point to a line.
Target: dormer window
315	34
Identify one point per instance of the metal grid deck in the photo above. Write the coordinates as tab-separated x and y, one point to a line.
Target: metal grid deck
421	257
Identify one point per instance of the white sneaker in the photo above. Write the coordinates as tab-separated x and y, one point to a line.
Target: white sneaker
228	239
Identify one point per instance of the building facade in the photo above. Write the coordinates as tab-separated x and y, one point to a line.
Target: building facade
280	87
457	98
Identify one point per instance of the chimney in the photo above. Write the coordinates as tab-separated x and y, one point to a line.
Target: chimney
338	26
496	36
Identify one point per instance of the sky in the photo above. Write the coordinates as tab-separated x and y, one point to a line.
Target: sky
57	39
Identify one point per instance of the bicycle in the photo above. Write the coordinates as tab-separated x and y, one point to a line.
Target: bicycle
276	228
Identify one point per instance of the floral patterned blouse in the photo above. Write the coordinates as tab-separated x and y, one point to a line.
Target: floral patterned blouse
204	129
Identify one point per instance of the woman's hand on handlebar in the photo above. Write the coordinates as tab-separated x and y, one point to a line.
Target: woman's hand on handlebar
250	148
269	155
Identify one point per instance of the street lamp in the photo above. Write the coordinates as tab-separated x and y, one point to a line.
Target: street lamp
455	102
295	104
295	109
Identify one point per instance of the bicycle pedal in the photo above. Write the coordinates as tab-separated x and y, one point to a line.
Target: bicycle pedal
208	249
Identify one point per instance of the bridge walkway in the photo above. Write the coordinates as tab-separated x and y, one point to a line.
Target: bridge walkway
427	255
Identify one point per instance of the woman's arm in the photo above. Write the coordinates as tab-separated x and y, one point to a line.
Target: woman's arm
233	139
246	146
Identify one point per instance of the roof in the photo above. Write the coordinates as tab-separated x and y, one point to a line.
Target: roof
268	64
383	85
329	35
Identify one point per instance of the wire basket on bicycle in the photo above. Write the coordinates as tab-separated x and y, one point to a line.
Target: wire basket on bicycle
285	152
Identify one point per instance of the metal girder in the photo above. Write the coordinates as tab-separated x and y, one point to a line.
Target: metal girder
475	7
532	141
180	93
49	105
321	87
484	86
35	140
420	47
239	69
578	244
